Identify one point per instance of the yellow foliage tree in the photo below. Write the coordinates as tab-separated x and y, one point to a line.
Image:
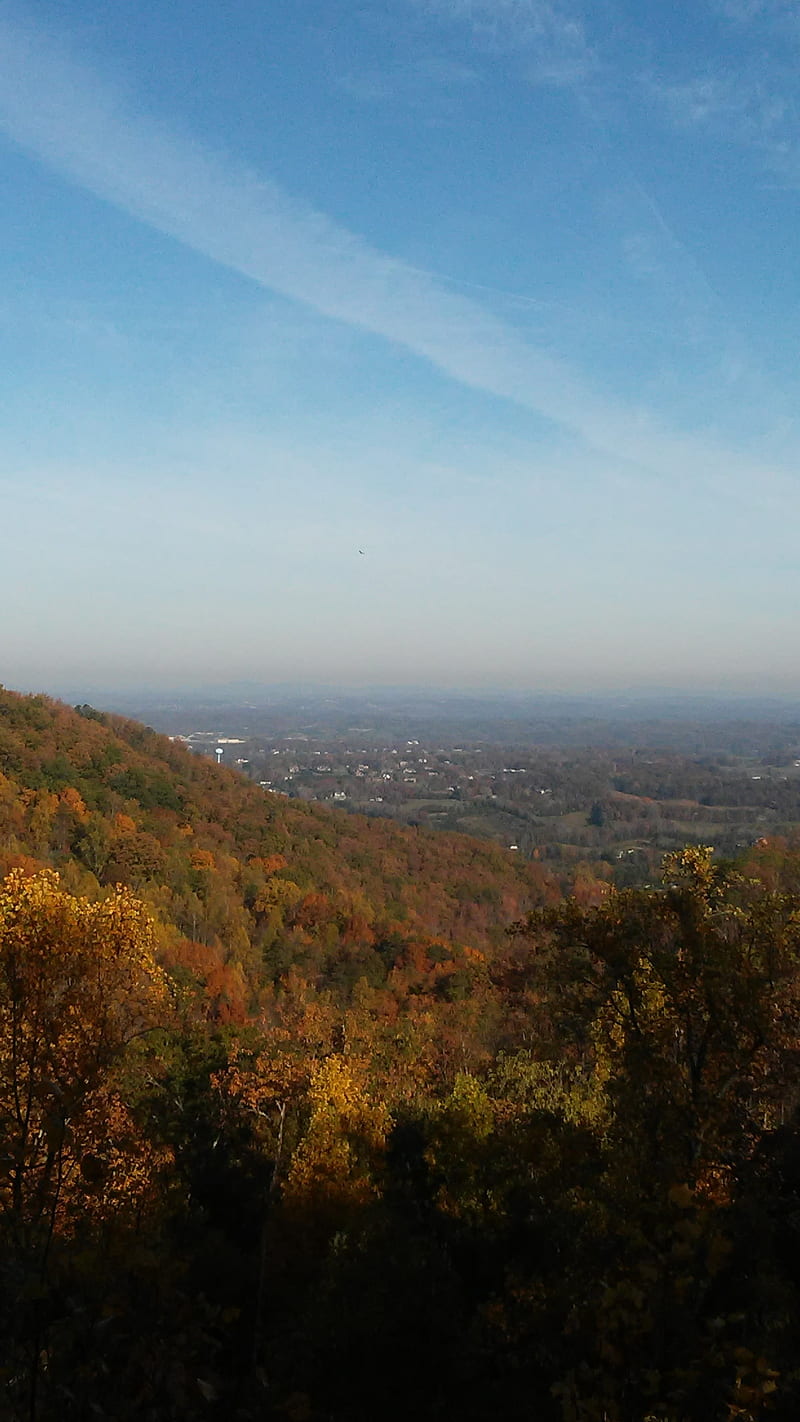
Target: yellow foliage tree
347	1130
78	982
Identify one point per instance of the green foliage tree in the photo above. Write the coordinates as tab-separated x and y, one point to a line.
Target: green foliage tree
685	1004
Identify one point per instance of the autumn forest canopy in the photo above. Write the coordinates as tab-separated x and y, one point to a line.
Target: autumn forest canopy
308	1115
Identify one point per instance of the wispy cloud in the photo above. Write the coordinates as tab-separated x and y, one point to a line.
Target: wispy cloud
744	12
751	99
737	107
407	83
549	34
752	110
701	100
58	110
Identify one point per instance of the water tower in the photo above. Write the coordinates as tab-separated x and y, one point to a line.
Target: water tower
219	754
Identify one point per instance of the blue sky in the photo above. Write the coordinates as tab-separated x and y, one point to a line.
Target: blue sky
503	292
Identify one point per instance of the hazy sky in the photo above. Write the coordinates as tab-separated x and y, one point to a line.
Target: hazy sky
503	292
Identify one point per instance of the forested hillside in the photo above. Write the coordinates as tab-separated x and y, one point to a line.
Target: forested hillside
309	1119
243	884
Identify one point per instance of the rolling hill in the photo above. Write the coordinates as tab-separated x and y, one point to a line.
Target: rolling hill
243	884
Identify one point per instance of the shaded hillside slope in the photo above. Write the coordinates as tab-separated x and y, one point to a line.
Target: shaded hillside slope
244	884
